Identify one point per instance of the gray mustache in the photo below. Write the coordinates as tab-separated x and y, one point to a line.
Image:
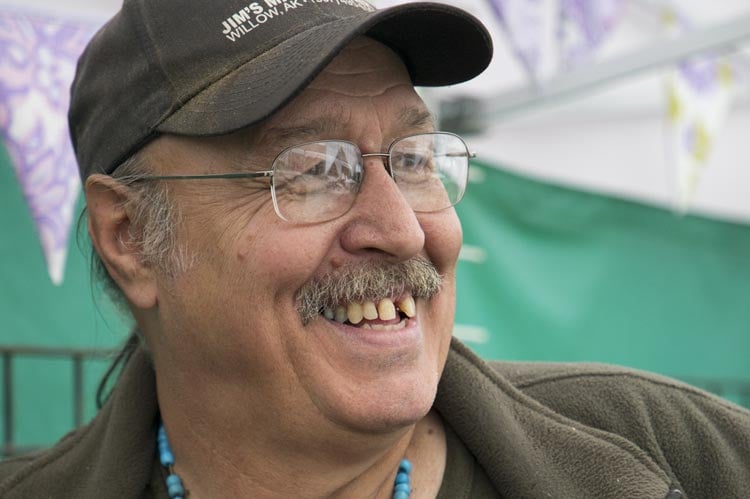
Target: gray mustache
368	281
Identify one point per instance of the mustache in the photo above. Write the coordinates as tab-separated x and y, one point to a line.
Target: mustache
367	281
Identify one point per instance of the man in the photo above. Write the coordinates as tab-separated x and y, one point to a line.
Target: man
268	197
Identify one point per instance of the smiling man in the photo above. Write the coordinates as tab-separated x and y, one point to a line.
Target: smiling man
269	198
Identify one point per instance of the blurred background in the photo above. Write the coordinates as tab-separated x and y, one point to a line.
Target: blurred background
607	220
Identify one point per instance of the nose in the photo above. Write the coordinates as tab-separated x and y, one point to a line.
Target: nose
381	220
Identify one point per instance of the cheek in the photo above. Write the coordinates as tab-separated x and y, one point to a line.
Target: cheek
280	257
443	238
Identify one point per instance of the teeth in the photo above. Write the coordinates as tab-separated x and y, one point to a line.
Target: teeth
369	311
386	310
340	315
407	306
354	312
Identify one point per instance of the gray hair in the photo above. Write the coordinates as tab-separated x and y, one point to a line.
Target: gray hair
154	219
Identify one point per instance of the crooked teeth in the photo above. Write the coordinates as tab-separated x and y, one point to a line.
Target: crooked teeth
386	309
407	306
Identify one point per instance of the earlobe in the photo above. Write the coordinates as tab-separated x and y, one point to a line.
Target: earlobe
111	233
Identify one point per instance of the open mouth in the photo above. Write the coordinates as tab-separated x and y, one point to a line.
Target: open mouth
383	314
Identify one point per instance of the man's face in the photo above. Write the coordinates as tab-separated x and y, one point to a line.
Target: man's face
227	331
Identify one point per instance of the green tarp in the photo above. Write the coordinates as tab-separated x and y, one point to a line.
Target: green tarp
552	273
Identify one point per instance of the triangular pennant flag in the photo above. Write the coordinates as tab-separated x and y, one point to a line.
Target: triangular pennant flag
530	26
698	98
37	63
584	26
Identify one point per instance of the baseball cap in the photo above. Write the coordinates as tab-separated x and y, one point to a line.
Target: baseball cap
200	68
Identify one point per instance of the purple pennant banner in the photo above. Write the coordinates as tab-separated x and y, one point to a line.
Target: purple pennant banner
698	99
584	25
529	27
37	63
701	73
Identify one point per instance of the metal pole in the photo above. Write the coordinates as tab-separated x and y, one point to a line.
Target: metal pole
7	403
78	389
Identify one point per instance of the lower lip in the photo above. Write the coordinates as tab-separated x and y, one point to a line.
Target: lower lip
408	336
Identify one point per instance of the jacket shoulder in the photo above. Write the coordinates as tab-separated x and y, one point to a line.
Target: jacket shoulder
19	468
678	425
555	382
11	466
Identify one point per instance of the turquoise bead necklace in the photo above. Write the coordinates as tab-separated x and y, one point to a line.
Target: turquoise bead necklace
175	489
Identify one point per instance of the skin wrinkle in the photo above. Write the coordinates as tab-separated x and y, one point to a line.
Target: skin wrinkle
364	93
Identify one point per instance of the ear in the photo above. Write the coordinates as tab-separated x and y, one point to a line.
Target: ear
110	230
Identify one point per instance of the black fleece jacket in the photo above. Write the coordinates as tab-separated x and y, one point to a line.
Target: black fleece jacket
538	430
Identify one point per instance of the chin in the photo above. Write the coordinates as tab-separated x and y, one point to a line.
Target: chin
386	405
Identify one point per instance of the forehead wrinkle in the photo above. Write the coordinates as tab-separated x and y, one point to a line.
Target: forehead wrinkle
327	124
366	91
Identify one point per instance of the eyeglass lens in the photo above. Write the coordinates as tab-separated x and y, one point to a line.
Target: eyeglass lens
319	181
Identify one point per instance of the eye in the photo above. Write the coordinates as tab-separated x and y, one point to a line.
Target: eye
319	168
320	179
414	161
326	168
302	184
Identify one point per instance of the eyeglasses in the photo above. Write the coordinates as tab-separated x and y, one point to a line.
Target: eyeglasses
319	181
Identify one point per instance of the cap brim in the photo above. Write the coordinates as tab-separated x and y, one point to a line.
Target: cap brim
439	44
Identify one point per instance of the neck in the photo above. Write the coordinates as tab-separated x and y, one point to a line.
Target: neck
309	474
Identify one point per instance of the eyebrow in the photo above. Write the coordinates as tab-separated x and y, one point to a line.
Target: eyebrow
409	118
416	117
312	129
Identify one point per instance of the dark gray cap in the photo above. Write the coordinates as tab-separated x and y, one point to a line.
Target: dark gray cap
200	67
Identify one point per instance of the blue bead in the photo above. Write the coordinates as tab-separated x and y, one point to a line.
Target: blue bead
402	477
166	458
174	486
400	495
402	487
175	491
173	480
405	466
